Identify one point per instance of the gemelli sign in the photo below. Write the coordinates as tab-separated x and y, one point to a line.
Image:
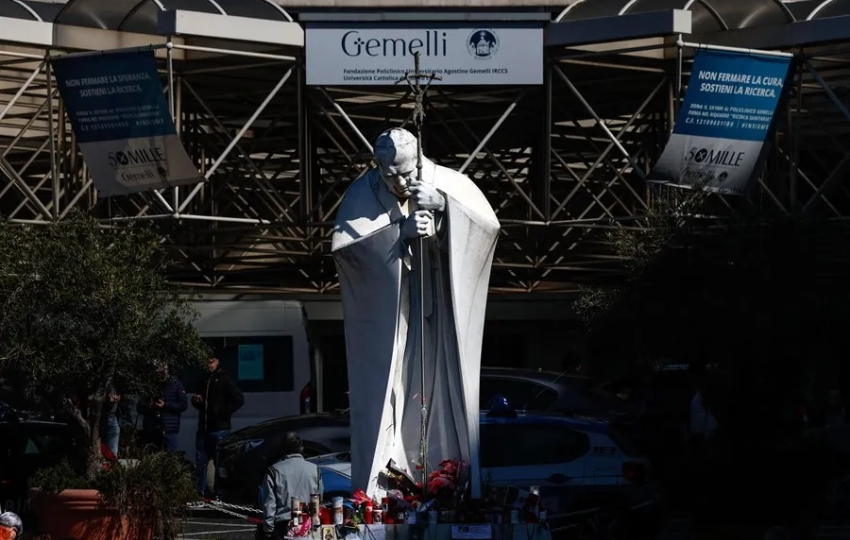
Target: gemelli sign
381	54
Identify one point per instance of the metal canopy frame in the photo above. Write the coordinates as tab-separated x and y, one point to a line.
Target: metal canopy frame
562	163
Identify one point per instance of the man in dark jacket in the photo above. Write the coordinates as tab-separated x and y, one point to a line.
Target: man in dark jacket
219	399
162	414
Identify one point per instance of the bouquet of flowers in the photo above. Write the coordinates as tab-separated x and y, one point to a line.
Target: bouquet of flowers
400	481
447	485
449	481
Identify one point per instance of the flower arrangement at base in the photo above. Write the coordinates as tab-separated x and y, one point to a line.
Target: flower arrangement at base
445	490
448	483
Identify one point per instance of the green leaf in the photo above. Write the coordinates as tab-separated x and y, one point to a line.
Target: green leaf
84	307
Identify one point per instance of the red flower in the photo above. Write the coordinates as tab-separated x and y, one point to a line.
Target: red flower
360	497
441	483
449	466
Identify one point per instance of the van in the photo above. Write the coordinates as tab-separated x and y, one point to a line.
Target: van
263	344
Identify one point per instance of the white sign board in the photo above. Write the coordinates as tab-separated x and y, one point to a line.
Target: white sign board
376	54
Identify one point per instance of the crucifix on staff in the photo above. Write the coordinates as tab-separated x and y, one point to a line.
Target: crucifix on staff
414	81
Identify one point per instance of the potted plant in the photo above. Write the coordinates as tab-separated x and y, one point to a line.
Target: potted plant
86	310
141	500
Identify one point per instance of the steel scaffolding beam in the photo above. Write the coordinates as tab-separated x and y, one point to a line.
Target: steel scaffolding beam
562	163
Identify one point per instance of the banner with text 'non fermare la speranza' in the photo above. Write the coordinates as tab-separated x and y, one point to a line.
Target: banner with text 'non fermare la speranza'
122	123
726	117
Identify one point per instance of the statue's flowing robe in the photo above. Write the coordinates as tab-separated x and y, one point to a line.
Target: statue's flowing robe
379	280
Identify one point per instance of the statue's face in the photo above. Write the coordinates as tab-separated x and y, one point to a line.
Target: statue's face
398	176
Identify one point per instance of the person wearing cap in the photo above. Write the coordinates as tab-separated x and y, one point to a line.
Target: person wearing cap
290	477
11	526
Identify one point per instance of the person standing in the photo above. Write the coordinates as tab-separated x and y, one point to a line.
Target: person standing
162	414
219	399
292	476
111	431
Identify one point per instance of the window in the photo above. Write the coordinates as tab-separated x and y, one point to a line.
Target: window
521	394
258	363
53	445
41	446
519	445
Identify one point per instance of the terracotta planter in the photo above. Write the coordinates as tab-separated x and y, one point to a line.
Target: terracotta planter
79	514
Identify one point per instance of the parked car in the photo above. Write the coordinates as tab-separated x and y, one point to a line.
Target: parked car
26	446
248	451
244	455
531	390
538	390
578	462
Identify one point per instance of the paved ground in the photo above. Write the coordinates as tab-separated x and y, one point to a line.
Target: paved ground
211	525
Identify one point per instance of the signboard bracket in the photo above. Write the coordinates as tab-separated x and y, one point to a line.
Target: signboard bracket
54	169
722	48
85	54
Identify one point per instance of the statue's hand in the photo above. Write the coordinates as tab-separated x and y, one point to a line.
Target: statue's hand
417	224
427	197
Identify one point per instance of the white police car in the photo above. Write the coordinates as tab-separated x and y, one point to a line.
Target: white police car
578	463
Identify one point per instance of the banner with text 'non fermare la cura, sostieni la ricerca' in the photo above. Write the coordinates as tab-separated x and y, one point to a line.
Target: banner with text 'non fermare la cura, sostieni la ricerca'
719	136
121	119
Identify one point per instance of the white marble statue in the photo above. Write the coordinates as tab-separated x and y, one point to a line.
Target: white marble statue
381	218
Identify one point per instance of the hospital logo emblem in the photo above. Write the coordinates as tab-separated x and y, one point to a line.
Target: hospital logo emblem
482	44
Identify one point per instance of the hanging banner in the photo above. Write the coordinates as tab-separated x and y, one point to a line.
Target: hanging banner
355	54
122	123
723	124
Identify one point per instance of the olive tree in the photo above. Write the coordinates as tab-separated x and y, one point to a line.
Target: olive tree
85	308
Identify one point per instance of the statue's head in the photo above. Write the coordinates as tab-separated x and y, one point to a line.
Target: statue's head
395	153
